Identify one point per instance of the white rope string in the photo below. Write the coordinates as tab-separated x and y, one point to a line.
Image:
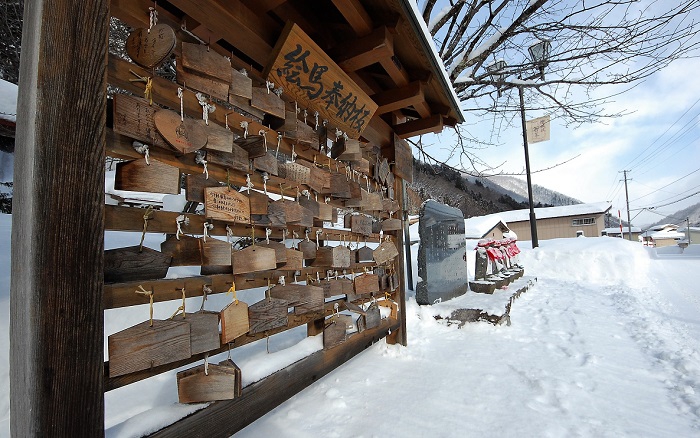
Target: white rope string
179	95
181	219
199	158
142	149
207	226
244	125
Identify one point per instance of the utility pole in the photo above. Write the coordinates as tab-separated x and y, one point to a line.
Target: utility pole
627	199
687	228
533	219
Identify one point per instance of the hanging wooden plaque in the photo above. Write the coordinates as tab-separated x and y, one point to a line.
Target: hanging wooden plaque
346	150
254	145
185	251
148	49
362	165
385	252
390	205
267	163
373	317
267	314
308	249
402	156
366	283
373	202
223	203
200	385
361	224
319	179
294	172
357	202
311	205
339	186
295	261
195	185
137	176
258	202
215	252
292	210
332	256
268	102
241	85
218	138
331	288
365	254
198	58
206	84
279	248
333	333
299	131
383	170
134	263
391	224
234	321
307	218
186	135
142	347
237	159
312	78
393	307
204	330
253	259
133	117
276	214
303	298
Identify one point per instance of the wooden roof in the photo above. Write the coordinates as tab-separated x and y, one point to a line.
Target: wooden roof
378	43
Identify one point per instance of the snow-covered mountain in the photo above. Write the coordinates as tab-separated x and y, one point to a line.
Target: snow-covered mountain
517	189
679	217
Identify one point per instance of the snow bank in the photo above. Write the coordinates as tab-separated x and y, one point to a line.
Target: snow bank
8	101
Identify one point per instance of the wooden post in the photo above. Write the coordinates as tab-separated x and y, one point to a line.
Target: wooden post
399	336
56	321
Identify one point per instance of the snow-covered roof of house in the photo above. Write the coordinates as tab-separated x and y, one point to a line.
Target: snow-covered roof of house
616	230
663	227
663	234
552	212
8	101
478	226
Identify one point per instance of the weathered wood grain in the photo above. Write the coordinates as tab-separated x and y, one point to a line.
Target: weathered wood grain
253	259
206	84
303	298
267	314
134	263
223	203
334	257
133	117
138	176
295	261
237	159
186	135
219	139
215	252
366	283
334	333
365	254
267	163
234	321
150	48
194	386
204	330
198	58
267	102
241	85
141	347
308	249
195	185
385	252
185	251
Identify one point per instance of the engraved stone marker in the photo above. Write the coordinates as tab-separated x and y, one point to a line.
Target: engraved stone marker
441	264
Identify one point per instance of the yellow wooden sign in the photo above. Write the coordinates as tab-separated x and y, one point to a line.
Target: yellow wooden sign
315	81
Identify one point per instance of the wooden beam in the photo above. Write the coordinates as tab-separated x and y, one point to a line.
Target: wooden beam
56	319
224	418
263	6
253	34
365	51
398	98
395	69
419	126
356	15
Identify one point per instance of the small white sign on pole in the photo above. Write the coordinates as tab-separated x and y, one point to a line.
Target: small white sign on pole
538	129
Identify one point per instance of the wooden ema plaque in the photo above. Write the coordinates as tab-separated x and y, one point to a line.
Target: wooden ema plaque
402	156
319	179
254	145
137	176
280	250
371	319
234	321
148	49
258	202
185	251
366	283
295	261
393	307
133	117
198	58
311	205
267	163
241	85
186	135
390	205
357	201
373	202
195	185
296	129
332	256
331	288
313	79
293	212
207	85
346	150
385	252
303	298
295	172
237	159
361	224
308	249
215	252
267	314
134	263
334	332
365	254
391	224
268	102
204	330
142	347
253	259
218	138
222	203
216	382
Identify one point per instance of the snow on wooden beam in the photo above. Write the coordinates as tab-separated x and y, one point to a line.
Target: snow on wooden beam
419	126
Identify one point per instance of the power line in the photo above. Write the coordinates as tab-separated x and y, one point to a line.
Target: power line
660	188
674	202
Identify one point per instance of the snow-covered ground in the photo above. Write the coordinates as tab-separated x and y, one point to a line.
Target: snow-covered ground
605	344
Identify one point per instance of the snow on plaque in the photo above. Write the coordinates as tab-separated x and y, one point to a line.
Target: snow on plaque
225	204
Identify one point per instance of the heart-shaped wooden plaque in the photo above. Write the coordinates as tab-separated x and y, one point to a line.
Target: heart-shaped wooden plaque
184	135
148	49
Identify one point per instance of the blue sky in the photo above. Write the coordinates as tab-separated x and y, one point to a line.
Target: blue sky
658	141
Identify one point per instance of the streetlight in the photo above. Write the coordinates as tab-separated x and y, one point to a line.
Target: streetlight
539	52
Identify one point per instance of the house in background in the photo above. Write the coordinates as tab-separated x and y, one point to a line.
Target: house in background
694	234
557	222
485	227
615	232
662	235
